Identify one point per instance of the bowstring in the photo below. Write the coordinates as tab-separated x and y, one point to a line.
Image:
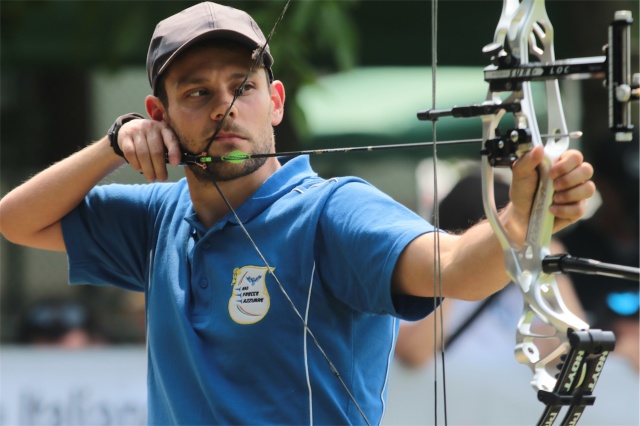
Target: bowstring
253	243
438	323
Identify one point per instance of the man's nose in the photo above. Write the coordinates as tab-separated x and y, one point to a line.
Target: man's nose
224	102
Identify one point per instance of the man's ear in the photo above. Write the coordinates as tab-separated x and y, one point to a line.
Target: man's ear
277	100
155	108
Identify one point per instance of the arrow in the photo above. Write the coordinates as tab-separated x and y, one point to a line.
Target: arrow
237	156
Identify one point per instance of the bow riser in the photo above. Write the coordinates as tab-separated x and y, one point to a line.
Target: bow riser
526	28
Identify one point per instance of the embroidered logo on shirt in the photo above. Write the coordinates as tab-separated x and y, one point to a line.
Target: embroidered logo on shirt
250	300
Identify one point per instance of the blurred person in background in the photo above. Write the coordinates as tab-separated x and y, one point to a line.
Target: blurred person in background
224	342
60	323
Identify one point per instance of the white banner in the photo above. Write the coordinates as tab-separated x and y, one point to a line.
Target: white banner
73	387
107	386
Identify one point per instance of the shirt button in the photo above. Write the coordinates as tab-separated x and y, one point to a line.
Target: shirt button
204	283
206	246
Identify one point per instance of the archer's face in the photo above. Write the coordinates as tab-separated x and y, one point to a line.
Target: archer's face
200	86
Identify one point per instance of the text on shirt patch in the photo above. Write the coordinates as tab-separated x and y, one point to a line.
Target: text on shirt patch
249	301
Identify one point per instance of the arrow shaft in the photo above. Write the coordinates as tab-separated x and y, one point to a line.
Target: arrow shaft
240	156
335	150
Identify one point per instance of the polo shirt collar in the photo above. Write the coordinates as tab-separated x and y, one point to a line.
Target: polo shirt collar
291	174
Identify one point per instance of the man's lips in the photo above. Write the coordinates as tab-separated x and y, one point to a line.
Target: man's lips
228	137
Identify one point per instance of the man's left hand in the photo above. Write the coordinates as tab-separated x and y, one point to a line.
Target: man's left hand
572	186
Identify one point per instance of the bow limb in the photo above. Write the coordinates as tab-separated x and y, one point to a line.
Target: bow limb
524	28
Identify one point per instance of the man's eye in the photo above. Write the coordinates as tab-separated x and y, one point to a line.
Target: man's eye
197	93
244	89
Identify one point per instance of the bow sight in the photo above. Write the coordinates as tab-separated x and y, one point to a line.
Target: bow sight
507	74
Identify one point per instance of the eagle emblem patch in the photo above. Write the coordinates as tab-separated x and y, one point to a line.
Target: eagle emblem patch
249	301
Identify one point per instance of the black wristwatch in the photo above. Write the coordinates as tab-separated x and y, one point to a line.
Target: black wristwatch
115	128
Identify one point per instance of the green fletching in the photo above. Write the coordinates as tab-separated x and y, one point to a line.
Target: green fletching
236	157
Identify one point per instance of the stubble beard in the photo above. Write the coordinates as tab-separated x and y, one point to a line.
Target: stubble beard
224	171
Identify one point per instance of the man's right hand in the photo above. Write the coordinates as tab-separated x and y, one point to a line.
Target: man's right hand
145	144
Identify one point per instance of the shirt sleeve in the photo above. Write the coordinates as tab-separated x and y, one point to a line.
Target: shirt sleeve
108	237
361	236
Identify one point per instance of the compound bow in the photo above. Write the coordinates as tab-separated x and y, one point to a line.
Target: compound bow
567	375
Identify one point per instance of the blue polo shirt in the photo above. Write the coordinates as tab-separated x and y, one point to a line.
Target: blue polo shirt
225	344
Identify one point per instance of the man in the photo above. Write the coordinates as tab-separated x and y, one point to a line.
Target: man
236	260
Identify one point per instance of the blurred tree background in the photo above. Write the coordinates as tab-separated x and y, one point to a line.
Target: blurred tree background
50	49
